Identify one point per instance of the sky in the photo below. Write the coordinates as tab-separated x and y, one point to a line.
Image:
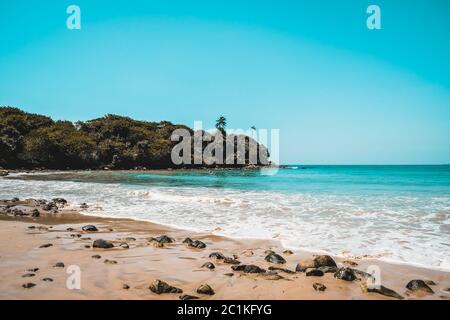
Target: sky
338	92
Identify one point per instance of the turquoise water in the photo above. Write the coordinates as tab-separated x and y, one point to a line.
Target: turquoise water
396	213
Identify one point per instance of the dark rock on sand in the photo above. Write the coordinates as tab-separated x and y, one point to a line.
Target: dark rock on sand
346	274
311	272
164	239
288	252
188	297
159	287
155	243
381	290
47	280
324	261
130	239
49	206
28	275
70	229
205	289
59	265
89	228
271	268
96	256
319	286
229	274
28	285
33	270
125	286
209	265
217	255
194	243
275	258
60	200
305	264
430	282
46	245
84	206
104	244
248	268
124	245
35	213
107	261
419	285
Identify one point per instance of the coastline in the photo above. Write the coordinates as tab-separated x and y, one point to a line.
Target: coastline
176	263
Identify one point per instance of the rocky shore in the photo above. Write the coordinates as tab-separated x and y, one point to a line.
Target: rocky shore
126	259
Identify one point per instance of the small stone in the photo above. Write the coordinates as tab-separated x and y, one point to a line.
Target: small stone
89	228
319	286
33	270
430	282
125	286
229	274
209	265
104	244
28	285
164	239
124	245
87	246
110	261
47	280
419	285
160	287
153	242
59	265
275	258
70	229
381	290
205	289
28	275
287	252
96	256
130	239
311	272
346	274
46	245
32	227
217	256
194	243
188	297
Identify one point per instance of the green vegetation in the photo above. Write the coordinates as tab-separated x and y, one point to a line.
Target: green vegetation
33	141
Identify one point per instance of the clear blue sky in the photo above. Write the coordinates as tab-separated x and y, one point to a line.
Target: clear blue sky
338	92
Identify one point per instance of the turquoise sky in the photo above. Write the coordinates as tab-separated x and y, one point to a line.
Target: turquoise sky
338	92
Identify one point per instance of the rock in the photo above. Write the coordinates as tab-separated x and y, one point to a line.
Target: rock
328	269
275	258
125	286
217	255
130	239
319	286
159	287
15	199
346	274
188	297
33	270
28	285
209	265
96	256
35	213
324	261
84	206
60	201
89	228
311	272
46	245
281	269
32	227
28	275
104	244
194	243
430	282
164	239
124	245
381	290
49	206
231	260
419	285
59	265
110	261
287	252
248	268
205	289
47	280
87	246
229	274
153	242
305	264
75	235
70	229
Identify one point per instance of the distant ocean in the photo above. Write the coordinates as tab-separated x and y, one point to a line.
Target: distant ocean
395	213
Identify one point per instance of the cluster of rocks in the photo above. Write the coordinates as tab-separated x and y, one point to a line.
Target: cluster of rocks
160	287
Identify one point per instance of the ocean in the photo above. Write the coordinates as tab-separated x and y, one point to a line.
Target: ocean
395	213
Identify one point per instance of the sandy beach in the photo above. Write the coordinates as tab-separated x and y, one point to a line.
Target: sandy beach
39	250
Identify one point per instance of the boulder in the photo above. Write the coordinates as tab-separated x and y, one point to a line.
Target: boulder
164	239
248	268
305	264
324	261
275	258
346	274
160	287
103	244
319	286
419	286
312	272
205	289
194	243
381	290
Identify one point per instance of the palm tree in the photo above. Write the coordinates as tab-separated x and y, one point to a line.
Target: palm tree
221	124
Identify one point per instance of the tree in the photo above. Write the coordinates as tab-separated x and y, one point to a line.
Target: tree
221	124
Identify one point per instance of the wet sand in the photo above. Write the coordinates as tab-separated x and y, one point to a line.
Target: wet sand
177	264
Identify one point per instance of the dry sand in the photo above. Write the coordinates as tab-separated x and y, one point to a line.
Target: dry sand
177	264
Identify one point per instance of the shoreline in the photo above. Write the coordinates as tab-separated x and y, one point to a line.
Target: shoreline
179	264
